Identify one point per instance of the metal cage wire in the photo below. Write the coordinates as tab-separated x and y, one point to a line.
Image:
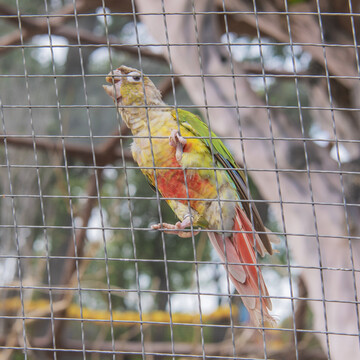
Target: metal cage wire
54	304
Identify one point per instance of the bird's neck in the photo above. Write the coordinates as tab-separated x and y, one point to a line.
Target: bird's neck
135	118
138	118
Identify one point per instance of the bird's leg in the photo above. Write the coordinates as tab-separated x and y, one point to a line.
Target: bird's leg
178	142
176	229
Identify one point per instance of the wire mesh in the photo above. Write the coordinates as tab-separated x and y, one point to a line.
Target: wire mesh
83	275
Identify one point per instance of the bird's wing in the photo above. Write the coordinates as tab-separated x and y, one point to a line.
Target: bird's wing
196	126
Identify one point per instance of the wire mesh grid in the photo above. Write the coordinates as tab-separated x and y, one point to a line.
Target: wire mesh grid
83	275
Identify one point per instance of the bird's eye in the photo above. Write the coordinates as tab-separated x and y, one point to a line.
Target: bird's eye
133	77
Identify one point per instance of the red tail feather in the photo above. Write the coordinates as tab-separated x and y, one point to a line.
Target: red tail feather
246	278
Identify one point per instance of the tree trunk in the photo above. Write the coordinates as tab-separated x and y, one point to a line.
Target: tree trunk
308	204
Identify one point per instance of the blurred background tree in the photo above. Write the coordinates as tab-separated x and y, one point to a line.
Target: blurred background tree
78	211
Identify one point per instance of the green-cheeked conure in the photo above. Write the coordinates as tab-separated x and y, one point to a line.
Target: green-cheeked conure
197	175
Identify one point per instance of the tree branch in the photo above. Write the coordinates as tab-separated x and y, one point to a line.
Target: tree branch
31	27
81	152
305	30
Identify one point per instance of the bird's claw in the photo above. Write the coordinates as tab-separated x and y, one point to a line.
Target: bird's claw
178	142
176	229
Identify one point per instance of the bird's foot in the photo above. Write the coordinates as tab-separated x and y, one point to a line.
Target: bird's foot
176	229
178	142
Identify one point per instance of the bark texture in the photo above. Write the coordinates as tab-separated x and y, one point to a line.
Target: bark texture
306	195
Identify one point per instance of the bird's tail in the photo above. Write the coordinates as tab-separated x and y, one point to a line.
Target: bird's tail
237	251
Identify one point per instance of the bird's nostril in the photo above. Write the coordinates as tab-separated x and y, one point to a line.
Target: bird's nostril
113	77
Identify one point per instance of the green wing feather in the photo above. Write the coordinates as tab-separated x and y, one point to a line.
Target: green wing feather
195	125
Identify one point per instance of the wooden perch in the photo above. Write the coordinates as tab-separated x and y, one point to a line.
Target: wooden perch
180	348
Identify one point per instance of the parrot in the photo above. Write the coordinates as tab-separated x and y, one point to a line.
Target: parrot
199	179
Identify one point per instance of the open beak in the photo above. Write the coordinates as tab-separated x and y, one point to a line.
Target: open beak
114	78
